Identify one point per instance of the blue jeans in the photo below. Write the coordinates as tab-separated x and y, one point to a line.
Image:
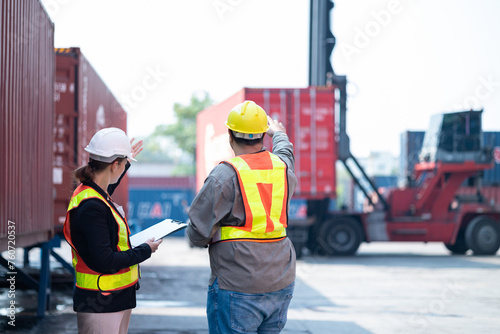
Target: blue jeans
237	312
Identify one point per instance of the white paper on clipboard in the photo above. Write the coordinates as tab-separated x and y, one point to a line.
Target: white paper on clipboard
157	231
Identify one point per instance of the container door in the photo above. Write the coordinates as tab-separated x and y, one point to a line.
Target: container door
308	115
65	127
315	144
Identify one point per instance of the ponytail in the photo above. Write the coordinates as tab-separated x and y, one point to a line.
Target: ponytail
86	172
83	173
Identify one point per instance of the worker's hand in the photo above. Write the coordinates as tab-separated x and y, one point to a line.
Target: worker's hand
136	148
154	244
274	126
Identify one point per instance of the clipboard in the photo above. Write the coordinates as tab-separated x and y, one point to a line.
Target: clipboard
157	231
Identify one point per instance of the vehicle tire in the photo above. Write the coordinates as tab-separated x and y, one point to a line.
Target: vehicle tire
460	246
312	240
483	235
340	236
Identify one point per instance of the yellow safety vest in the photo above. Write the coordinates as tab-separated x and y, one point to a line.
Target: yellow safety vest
87	278
263	184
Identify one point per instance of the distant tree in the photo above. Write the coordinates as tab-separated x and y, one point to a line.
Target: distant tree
183	131
157	149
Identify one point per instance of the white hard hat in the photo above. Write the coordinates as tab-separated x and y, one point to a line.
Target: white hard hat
108	144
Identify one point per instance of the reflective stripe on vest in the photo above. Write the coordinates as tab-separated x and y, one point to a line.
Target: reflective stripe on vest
264	189
87	278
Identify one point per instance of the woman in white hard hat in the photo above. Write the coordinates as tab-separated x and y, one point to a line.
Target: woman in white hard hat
106	266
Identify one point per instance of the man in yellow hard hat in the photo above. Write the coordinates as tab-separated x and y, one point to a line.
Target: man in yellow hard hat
241	213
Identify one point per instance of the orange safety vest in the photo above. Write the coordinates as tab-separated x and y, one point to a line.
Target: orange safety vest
263	183
87	278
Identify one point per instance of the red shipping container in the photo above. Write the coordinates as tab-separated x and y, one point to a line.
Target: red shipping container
309	117
83	106
27	114
491	194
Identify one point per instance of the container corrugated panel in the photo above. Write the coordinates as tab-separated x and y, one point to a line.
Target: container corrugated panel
26	137
182	182
308	115
83	106
148	206
491	194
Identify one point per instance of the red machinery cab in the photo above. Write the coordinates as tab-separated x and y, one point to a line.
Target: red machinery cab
429	209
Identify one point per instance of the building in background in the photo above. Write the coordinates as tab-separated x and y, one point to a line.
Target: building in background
380	163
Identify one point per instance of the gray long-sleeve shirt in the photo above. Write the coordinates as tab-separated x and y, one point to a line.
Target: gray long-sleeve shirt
249	267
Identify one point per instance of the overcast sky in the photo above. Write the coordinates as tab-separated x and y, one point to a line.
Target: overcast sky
404	59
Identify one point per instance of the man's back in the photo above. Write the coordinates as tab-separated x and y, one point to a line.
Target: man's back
250	267
253	266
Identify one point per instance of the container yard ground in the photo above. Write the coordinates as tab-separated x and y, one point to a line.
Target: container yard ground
386	288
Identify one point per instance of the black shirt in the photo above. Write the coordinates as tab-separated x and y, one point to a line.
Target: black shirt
94	233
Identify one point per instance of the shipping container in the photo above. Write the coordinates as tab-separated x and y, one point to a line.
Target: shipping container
26	137
309	117
385	181
411	143
83	106
148	206
490	194
491	177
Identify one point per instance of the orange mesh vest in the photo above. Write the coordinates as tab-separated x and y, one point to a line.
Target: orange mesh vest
87	278
264	189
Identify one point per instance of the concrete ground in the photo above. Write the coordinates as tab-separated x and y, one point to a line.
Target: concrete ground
385	288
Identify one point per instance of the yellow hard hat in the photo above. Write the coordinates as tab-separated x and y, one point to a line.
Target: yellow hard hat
248	118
